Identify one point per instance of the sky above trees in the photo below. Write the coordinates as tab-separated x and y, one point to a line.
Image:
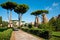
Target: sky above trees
53	6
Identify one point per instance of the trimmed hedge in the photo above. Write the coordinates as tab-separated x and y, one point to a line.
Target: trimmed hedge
5	35
3	28
39	32
48	35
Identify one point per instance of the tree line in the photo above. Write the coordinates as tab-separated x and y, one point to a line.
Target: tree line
21	9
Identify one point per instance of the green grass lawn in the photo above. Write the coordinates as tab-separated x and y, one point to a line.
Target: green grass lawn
56	34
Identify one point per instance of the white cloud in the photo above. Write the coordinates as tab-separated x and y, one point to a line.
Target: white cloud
52	7
55	4
48	8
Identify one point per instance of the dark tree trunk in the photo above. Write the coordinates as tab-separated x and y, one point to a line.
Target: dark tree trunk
36	21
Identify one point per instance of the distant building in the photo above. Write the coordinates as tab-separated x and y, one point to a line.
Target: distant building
16	22
32	23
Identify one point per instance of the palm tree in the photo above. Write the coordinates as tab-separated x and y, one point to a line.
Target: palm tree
20	10
44	18
36	14
9	6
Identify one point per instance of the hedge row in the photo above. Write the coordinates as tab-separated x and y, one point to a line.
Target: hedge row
3	28
5	35
39	32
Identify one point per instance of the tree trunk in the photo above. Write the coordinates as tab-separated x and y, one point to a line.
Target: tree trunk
36	21
20	18
44	18
10	18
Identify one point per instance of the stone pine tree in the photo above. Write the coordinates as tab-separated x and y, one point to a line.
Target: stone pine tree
9	6
36	14
20	10
44	18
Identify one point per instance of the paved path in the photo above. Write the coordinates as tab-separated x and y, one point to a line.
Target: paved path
21	35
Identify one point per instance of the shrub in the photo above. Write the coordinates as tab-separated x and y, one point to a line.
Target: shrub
3	28
29	25
46	27
56	23
4	23
5	35
39	32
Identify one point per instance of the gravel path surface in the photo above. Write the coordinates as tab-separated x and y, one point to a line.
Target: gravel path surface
21	35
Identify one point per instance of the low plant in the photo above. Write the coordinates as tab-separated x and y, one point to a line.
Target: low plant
5	35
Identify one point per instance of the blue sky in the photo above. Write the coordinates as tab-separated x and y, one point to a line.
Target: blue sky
53	6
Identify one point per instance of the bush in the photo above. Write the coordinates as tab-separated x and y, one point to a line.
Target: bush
39	32
5	35
4	23
56	23
3	28
46	27
30	25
